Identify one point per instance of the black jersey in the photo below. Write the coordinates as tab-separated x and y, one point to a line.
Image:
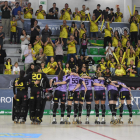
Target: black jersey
97	13
110	16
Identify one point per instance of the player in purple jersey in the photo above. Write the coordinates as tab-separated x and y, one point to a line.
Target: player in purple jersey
125	94
88	96
60	93
72	96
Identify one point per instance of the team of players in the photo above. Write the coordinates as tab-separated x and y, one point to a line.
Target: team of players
74	83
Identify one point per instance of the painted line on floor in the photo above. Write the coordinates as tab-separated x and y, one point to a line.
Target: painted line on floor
96	133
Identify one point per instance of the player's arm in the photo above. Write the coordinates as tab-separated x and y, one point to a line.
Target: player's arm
86	77
101	78
97	84
114	85
46	80
115	82
60	83
14	90
126	87
78	85
84	85
75	74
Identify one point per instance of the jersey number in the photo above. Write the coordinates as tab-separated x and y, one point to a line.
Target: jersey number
36	77
86	82
74	81
19	85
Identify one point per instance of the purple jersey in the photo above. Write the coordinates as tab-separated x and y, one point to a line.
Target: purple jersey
111	87
73	81
88	83
97	88
122	89
63	88
55	79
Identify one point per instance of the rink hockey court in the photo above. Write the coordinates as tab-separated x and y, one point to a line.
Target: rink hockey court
47	131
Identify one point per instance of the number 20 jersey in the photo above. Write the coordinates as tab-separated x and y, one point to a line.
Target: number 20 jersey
73	81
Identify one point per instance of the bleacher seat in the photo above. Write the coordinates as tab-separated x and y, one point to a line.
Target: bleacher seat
93	51
65	59
99	41
96	59
101	51
91	41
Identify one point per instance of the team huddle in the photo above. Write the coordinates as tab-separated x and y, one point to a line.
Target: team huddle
79	92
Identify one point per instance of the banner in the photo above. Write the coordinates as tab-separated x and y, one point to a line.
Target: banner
7	95
54	25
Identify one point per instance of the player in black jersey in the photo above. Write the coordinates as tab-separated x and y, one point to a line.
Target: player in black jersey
20	101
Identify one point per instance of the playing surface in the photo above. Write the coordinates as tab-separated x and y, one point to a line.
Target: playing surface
69	132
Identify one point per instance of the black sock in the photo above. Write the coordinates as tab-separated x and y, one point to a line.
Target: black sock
97	110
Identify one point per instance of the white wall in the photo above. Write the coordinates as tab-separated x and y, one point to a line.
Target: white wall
136	2
126	11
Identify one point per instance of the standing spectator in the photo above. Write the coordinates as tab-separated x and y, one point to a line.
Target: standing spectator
115	39
138	17
2	56
40	13
118	16
59	49
97	12
77	15
16	69
35	29
66	12
112	66
28	11
105	13
64	30
71	63
53	12
83	14
49	49
20	21
16	9
6	17
2	36
8	66
111	15
83	30
71	48
25	40
41	57
13	29
84	42
46	32
133	29
109	50
72	28
80	61
76	37
28	54
59	67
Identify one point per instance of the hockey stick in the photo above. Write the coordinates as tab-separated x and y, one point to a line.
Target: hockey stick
119	104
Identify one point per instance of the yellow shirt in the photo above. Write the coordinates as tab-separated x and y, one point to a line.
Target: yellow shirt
48	50
82	32
124	40
119	19
112	65
33	52
133	27
118	51
71	48
72	29
61	17
64	33
28	15
119	72
44	70
115	42
83	15
8	67
138	51
40	14
77	17
122	67
37	46
130	58
108	63
93	26
66	15
138	17
52	70
138	65
13	27
107	32
66	70
103	66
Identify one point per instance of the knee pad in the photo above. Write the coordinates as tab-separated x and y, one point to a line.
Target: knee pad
62	107
121	108
23	111
96	107
88	107
75	108
80	107
129	106
68	108
55	106
103	107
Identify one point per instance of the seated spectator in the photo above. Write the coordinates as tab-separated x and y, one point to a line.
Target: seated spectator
115	39
103	64
30	68
46	32
20	21
2	36
43	69
98	72
97	12
118	48
109	60
71	48
40	57
25	40
38	44
107	73
28	11
121	53
80	61
16	69
105	13
90	64
84	42
119	71
67	69
112	66
122	64
84	71
131	69
82	31
28	54
66	12
72	28
94	28
109	51
59	67
138	63
13	29
118	16
53	12
2	57
71	63
111	15
59	49
138	47
77	15
76	37
52	66
49	49
40	13
107	36
16	9
8	67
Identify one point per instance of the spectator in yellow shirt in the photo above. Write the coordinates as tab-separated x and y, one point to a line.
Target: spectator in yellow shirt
52	66
40	13
8	67
115	39
82	30
138	17
67	69
28	11
77	15
112	66
118	16
119	71
13	29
